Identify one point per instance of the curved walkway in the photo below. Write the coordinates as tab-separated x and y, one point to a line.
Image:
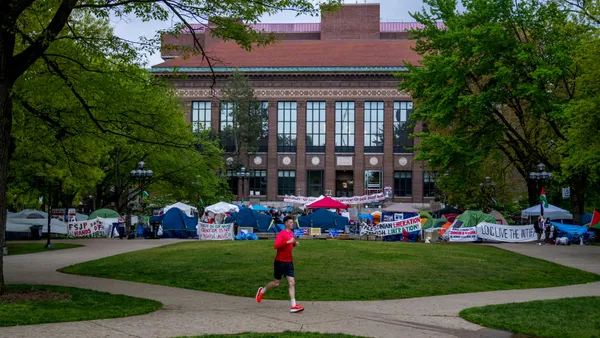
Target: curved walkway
188	312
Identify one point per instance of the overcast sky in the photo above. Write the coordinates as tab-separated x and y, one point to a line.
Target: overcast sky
391	10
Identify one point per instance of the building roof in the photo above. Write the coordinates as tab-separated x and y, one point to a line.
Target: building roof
305	53
309	27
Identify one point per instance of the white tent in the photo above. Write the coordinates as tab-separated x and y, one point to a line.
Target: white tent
29	214
23	224
187	209
552	212
221	208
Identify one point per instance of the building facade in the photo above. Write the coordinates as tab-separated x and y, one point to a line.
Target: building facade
336	121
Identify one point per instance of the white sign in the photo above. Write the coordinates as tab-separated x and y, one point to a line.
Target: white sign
566	193
344	160
506	233
393	228
215	232
463	234
93	228
346	200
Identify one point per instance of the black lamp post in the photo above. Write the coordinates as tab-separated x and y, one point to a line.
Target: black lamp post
93	199
243	175
541	176
42	182
143	176
486	186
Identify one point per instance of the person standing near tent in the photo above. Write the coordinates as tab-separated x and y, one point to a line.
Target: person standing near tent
538	226
283	265
547	228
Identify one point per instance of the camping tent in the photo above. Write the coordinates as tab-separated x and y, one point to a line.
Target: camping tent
258	207
326	203
250	218
571	231
434	223
187	209
176	224
104	213
445	211
323	219
425	214
221	208
552	212
499	217
29	214
471	218
401	207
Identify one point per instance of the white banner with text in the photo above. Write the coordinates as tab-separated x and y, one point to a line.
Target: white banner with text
215	232
462	234
392	228
506	233
93	228
346	200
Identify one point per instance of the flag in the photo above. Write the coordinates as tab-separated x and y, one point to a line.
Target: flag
543	198
200	200
595	218
145	193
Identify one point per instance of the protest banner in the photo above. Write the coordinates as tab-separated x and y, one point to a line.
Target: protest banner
506	233
215	231
346	200
463	234
392	228
93	228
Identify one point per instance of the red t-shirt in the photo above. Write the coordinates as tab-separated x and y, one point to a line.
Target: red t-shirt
284	250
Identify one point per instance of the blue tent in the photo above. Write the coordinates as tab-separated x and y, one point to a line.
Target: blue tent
572	231
324	219
259	207
250	218
365	217
176	224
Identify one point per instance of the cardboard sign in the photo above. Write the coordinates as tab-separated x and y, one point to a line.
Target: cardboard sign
215	232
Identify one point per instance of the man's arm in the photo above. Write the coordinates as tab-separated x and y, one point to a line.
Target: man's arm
280	242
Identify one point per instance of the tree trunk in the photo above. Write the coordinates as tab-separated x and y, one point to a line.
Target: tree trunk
6	146
578	183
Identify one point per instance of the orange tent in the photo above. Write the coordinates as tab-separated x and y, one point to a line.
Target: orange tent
444	228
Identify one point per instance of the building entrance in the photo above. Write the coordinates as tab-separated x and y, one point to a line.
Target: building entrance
344	183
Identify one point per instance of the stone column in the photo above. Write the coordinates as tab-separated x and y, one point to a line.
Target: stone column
330	147
272	154
359	148
388	143
301	150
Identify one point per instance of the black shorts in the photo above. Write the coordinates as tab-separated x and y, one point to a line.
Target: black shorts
281	269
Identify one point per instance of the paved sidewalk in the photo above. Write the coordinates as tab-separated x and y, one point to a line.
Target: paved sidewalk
188	312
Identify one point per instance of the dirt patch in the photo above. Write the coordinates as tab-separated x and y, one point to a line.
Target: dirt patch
18	296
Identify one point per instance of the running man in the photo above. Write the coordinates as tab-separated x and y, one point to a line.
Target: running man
284	266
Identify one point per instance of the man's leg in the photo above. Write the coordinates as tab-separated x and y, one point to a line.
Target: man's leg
292	289
272	284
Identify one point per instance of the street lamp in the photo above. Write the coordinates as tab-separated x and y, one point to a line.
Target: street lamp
42	182
541	176
93	199
488	185
243	175
142	176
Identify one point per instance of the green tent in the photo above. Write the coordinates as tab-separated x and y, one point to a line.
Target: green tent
471	218
104	213
434	223
425	214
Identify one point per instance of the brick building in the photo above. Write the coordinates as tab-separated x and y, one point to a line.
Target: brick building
336	121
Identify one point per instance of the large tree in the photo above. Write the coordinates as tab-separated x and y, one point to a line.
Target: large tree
495	79
247	119
28	28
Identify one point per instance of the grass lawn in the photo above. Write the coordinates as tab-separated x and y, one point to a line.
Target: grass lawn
335	270
569	317
83	305
27	248
286	334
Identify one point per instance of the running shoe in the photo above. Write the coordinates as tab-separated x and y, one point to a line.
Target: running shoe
259	295
296	308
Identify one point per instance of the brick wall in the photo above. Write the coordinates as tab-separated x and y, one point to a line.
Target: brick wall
359	21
